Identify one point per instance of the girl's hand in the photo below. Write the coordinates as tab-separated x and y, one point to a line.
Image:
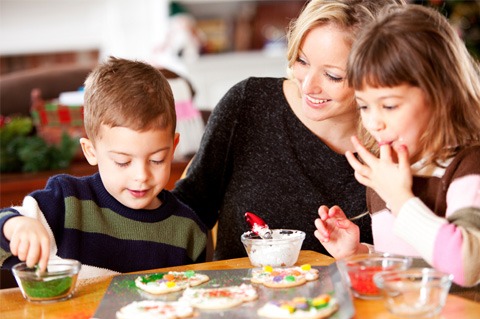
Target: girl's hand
339	236
29	241
391	181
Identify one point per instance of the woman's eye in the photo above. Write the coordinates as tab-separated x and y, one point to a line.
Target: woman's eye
362	107
333	78
157	162
301	61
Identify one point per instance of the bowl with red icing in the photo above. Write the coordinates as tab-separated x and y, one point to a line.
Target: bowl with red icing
359	270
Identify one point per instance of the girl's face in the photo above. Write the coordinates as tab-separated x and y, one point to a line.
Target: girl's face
396	115
134	166
320	71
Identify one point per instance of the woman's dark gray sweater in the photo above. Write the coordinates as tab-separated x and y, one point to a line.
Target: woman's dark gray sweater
257	156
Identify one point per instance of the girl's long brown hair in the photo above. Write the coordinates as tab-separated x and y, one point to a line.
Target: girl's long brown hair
416	45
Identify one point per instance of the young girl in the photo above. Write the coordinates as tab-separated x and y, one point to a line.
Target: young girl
418	91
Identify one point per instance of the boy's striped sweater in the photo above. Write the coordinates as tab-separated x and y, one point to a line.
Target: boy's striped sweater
86	223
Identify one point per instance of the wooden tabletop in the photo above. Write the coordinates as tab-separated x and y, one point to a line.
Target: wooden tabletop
89	294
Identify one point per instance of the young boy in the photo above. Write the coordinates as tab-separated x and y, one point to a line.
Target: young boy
120	219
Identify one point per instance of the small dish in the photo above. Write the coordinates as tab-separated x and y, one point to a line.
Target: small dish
57	283
360	269
415	292
281	250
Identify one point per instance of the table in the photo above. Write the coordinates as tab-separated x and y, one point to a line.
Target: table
90	292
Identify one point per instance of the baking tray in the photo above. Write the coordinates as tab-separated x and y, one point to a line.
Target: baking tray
122	291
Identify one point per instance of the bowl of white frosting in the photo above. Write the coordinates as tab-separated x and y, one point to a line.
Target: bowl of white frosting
281	250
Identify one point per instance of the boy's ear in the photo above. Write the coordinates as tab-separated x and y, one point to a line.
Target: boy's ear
89	151
176	139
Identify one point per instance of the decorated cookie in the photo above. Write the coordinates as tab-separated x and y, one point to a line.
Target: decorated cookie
219	298
163	283
308	308
284	277
155	309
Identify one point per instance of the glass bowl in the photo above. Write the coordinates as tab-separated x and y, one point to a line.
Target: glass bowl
415	292
360	269
281	250
57	283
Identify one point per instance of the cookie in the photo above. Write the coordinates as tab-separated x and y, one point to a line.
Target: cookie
284	277
155	309
172	281
322	306
219	298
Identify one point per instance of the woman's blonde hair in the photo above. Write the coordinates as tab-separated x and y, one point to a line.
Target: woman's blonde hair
416	45
351	15
129	94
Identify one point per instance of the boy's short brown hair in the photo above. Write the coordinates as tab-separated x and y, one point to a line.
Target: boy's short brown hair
129	94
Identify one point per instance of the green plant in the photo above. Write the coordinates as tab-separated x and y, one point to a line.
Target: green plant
22	151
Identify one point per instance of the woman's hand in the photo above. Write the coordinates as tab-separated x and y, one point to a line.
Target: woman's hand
29	241
391	181
339	236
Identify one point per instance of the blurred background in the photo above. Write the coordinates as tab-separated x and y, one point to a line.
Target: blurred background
214	43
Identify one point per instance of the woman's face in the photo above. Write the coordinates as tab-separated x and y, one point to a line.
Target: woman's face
320	72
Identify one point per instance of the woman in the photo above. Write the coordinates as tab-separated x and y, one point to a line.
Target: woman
274	147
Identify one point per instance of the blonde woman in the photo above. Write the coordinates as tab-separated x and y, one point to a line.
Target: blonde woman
275	147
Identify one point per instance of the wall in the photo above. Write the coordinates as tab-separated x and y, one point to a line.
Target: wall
127	28
81	31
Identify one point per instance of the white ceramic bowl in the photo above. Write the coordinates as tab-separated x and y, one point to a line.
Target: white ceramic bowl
281	250
415	292
358	271
57	283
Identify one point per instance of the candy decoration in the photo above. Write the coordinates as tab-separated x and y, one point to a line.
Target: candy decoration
288	307
258	226
321	301
169	277
306	267
303	304
268	268
362	281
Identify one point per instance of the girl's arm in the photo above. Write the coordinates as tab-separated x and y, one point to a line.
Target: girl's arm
450	244
339	235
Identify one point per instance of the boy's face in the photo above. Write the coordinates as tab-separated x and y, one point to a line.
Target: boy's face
134	166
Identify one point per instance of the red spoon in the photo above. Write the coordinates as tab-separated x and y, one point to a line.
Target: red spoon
258	226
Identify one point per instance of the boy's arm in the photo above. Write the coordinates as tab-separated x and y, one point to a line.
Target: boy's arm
29	240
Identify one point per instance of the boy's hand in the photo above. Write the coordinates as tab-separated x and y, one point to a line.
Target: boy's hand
391	181
339	236
29	241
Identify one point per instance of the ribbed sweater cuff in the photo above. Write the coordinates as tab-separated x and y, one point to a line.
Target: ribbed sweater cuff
418	225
